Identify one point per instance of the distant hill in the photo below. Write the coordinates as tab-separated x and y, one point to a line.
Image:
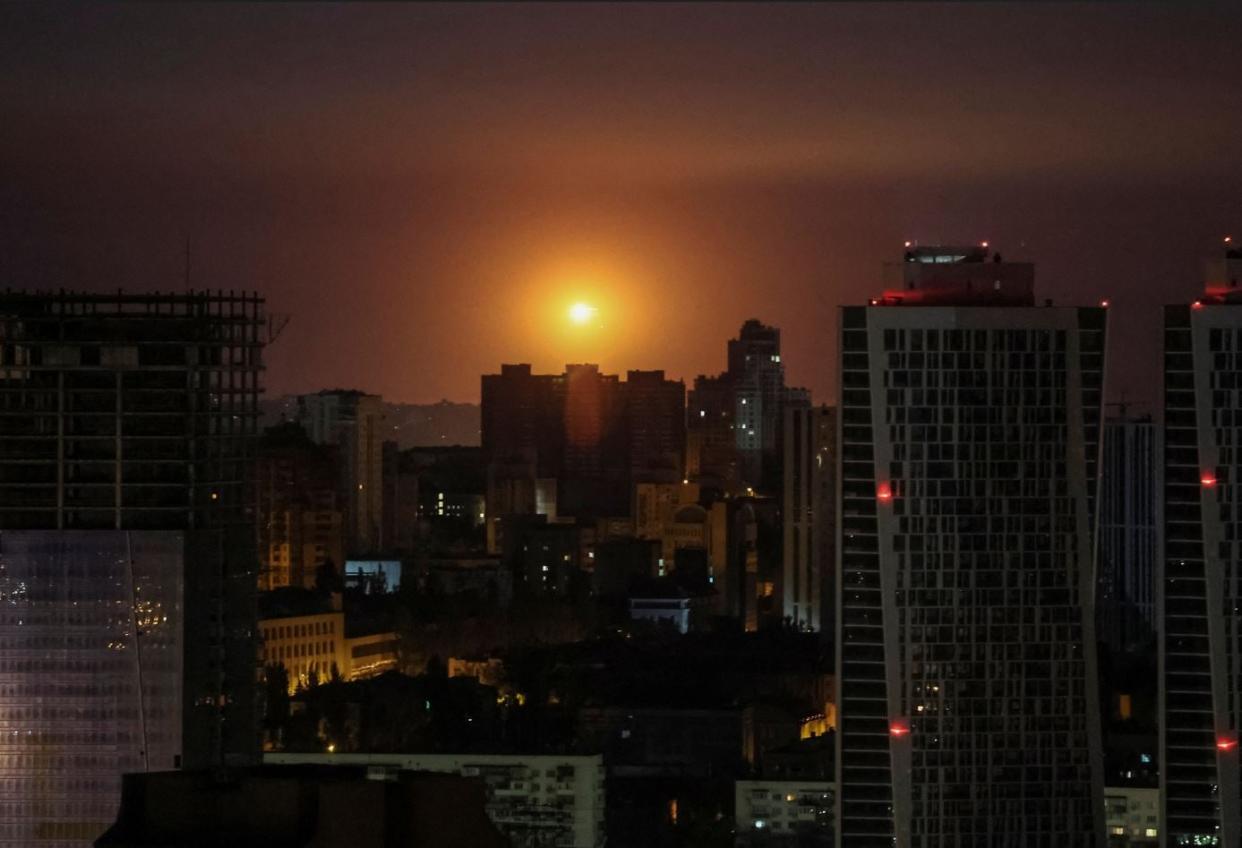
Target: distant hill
412	425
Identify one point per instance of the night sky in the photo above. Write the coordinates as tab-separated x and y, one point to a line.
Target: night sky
426	190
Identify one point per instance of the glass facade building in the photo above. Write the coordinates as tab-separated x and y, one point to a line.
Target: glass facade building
1200	590
127	444
968	693
90	675
1125	605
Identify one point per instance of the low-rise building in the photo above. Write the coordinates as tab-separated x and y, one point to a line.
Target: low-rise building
489	671
663	603
1132	815
784	812
370	654
373	576
312	645
308	646
536	801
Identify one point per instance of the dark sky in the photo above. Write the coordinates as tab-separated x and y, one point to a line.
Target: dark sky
427	189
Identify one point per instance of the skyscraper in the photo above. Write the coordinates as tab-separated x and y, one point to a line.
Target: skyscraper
735	419
1200	590
1127	551
759	386
809	516
970	427
127	547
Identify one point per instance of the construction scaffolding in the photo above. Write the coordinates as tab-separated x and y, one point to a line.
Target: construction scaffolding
132	412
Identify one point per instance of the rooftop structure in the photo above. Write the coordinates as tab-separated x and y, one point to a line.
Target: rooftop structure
956	276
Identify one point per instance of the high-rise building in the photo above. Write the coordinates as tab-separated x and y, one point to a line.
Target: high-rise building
1200	589
1127	549
300	526
522	419
735	419
353	422
572	444
594	473
127	547
655	425
711	447
759	384
970	429
809	517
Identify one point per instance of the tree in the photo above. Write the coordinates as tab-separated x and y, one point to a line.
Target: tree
276	699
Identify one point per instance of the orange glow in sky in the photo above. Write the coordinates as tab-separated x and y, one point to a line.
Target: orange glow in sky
582	313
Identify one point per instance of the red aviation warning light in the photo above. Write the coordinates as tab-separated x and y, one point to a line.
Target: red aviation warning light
898	728
1198	304
884	493
1227	742
1208	479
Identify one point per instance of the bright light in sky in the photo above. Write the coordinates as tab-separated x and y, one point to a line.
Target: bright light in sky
581	313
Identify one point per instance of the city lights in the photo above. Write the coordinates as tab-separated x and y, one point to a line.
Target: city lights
567	502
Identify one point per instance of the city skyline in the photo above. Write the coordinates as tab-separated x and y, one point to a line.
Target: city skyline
469	173
695	425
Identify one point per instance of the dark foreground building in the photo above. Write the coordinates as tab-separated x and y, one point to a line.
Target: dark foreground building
127	547
301	807
1200	599
970	426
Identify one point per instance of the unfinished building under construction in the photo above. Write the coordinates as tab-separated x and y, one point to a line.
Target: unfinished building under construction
127	546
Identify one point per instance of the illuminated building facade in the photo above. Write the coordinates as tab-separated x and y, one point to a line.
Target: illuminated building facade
127	547
91	660
311	647
970	428
1200	599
